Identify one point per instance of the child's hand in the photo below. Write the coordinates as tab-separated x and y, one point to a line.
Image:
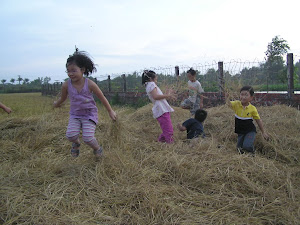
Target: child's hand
180	127
171	94
172	97
55	104
201	105
266	136
113	115
8	110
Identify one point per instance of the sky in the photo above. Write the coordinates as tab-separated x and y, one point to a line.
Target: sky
131	35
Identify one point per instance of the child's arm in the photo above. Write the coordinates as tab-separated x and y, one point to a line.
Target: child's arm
201	101
193	88
5	108
180	127
63	97
96	90
156	96
227	99
200	92
261	127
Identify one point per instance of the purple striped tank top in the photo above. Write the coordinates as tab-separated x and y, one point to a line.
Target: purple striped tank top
83	105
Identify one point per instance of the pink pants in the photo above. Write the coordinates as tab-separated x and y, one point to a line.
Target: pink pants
166	127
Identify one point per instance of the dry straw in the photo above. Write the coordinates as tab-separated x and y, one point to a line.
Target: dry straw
141	181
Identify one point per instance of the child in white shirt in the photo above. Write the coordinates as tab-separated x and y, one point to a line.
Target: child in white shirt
195	99
161	108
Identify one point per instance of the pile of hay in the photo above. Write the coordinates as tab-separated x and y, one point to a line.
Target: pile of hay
141	181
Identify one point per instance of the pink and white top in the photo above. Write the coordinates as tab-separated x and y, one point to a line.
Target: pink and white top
159	106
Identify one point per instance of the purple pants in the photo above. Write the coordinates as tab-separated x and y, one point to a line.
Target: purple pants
166	127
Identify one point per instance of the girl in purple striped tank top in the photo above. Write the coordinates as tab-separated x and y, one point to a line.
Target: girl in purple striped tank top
83	110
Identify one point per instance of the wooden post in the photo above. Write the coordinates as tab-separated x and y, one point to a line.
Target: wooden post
290	75
51	88
124	82
177	71
177	75
221	81
57	88
109	86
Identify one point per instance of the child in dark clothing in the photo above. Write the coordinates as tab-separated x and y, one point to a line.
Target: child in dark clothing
193	126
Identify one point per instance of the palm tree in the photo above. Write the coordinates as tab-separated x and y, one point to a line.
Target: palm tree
3	82
12	80
19	78
26	80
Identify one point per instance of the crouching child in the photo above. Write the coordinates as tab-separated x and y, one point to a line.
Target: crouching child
194	126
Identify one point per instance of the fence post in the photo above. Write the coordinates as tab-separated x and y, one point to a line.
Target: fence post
109	85
124	82
177	74
57	88
50	89
290	75
221	81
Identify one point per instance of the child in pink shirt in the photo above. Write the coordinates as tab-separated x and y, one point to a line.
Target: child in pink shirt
161	108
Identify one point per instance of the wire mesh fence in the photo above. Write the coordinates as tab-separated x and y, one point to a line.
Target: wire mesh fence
262	76
214	77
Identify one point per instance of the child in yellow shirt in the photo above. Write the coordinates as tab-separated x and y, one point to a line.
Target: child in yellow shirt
244	115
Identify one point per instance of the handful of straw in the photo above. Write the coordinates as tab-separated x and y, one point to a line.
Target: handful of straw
115	131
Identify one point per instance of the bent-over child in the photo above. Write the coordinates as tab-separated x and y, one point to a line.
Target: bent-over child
161	108
194	126
83	109
245	112
195	99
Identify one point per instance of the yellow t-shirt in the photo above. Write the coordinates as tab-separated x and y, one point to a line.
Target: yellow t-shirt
244	117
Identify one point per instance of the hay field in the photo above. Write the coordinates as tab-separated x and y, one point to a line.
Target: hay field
140	181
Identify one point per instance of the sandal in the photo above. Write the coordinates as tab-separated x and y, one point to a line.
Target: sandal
98	153
75	152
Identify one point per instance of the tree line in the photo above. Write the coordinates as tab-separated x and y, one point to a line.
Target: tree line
271	72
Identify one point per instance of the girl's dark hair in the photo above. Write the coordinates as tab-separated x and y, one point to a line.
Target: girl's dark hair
82	60
147	75
249	89
200	115
191	71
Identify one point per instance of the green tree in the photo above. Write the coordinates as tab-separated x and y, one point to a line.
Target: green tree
37	82
297	73
276	49
275	63
12	80
26	81
3	81
19	79
46	80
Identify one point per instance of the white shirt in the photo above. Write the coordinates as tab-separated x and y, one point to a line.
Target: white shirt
159	106
193	93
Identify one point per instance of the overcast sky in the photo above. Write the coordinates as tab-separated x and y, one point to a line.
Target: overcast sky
37	36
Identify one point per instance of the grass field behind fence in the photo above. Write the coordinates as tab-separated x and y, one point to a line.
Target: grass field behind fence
141	181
